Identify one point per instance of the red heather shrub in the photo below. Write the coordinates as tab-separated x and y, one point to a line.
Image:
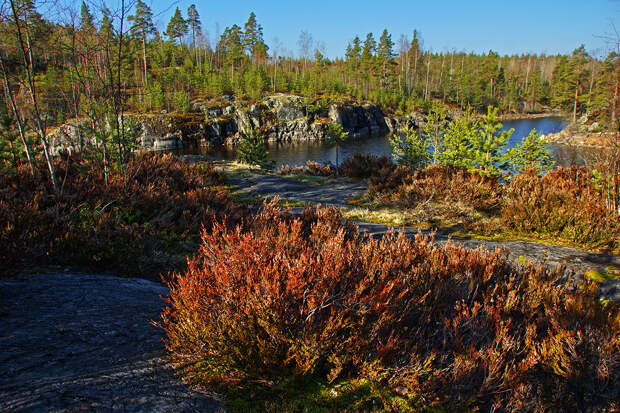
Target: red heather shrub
364	165
437	183
458	329
310	168
563	203
143	221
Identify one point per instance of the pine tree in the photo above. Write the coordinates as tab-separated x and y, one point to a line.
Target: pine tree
487	144
385	50
570	76
337	135
231	46
86	21
604	106
532	152
578	76
141	28
252	149
434	131
385	54
177	27
370	47
253	41
410	148
457	139
107	29
193	21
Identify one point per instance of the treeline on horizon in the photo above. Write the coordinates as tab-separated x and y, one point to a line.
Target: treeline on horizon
98	64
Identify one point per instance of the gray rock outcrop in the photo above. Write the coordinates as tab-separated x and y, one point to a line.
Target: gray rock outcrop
282	118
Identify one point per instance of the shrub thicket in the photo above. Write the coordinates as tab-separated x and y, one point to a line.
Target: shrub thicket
563	203
455	328
311	168
144	220
436	183
364	165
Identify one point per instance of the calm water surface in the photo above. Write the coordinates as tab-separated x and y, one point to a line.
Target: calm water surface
297	153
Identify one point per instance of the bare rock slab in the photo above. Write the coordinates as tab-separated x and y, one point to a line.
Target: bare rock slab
71	342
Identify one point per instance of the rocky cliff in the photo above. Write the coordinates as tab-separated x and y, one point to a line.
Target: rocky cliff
282	118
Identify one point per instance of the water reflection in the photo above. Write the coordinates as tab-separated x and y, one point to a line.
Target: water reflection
296	153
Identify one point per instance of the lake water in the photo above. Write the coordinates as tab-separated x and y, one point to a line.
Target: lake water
297	153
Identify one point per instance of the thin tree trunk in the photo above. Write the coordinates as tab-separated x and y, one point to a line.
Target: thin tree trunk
27	58
18	119
146	76
614	103
428	69
443	60
575	105
120	126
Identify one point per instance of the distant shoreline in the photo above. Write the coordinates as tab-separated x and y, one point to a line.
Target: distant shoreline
520	116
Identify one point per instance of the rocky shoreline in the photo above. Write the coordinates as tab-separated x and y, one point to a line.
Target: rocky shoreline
519	116
583	134
282	118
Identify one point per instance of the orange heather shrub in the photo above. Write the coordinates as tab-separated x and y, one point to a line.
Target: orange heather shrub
146	219
364	165
563	203
284	296
436	183
310	168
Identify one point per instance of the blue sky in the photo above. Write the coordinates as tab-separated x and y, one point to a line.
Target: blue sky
542	26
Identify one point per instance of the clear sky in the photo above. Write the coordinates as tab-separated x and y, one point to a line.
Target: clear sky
508	27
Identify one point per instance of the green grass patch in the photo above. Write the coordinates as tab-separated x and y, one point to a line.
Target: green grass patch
224	187
311	395
382	216
291	203
360	201
246	198
312	180
601	277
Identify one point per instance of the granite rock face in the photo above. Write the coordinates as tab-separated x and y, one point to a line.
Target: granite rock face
282	118
83	342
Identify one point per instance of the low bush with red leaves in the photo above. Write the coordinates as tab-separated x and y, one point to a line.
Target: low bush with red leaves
282	297
144	220
364	165
563	203
310	168
436	183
